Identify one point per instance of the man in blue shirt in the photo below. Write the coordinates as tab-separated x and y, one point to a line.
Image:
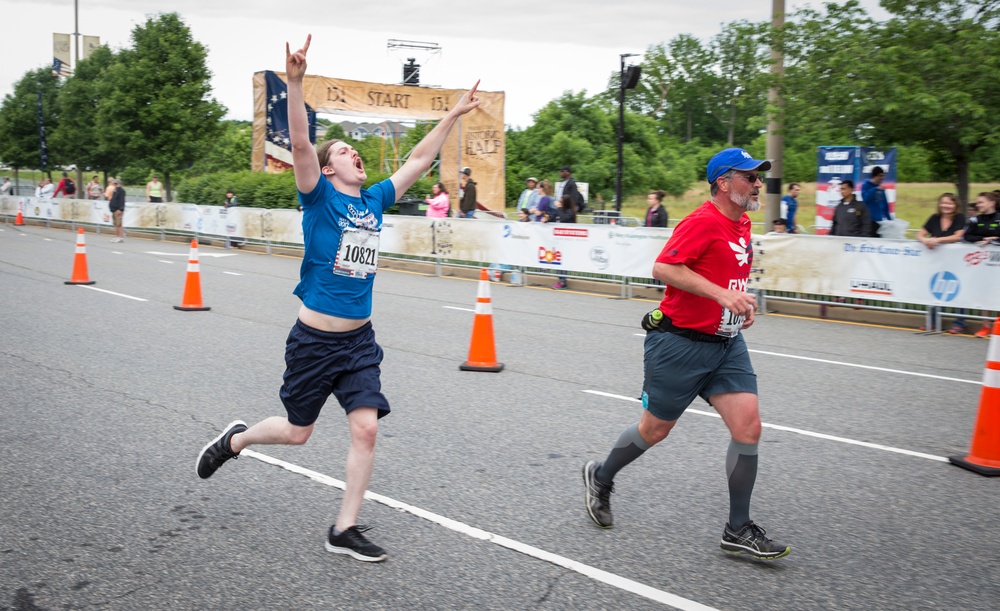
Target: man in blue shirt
332	348
789	204
873	194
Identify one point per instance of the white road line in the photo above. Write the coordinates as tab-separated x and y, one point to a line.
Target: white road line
843	364
459	309
909	373
184	254
232	273
168	262
596	574
778	427
48	239
94	288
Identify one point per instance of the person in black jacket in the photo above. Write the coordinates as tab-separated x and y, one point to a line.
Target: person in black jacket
467	203
117	208
984	228
565	212
851	216
656	216
568	187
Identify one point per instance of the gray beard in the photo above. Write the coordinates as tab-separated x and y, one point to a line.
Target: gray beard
747	203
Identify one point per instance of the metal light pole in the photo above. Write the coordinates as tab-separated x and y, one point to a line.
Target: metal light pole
622	85
775	124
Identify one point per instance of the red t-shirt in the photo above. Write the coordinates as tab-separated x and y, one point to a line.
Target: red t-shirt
717	248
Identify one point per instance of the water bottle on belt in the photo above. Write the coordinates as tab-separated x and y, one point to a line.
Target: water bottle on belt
651	321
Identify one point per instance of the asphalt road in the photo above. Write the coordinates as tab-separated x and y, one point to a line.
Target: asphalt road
106	401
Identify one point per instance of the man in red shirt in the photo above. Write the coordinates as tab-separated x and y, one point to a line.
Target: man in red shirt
696	348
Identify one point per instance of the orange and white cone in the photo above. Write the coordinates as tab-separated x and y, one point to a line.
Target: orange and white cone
192	285
482	351
79	261
19	219
984	457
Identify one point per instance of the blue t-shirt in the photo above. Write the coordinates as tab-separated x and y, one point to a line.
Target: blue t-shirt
791	205
324	285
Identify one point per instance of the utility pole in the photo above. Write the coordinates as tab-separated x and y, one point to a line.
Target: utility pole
624	82
775	122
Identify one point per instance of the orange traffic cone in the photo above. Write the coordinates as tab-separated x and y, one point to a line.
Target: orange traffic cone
192	286
19	219
984	457
79	262
482	352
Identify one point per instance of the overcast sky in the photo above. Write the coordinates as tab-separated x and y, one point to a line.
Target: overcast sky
534	50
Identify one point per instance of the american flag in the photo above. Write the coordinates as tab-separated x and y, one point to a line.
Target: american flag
277	145
60	68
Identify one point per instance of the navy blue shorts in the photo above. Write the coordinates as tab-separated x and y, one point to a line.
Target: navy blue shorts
678	369
319	363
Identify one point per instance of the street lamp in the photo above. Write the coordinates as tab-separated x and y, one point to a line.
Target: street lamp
627	80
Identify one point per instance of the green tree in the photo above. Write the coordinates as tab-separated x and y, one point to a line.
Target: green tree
161	103
20	146
230	152
78	132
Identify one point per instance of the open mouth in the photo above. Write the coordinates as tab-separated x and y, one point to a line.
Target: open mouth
359	164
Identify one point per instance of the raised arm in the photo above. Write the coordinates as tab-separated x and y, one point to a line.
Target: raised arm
307	170
427	150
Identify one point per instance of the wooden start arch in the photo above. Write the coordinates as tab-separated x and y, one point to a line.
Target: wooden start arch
478	140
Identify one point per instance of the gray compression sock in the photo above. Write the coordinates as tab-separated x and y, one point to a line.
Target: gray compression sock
741	468
630	445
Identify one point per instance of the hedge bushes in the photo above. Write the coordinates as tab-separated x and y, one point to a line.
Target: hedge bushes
264	190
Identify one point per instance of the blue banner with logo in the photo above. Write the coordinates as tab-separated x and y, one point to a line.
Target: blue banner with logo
835	164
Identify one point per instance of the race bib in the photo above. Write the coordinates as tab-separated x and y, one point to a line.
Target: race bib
730	324
358	253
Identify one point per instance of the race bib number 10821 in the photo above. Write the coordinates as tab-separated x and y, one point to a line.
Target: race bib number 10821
358	253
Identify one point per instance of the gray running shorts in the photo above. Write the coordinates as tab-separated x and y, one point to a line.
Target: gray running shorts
677	369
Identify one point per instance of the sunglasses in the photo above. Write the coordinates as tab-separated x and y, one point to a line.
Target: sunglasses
751	178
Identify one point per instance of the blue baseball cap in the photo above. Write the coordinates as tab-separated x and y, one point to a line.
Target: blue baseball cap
734	159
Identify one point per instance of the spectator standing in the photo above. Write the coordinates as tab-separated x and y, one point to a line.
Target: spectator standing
154	190
873	195
696	348
656	215
6	187
117	207
567	186
467	194
851	217
565	212
983	229
529	197
789	205
45	189
523	215
110	189
65	187
545	207
230	202
438	203
779	226
945	226
94	189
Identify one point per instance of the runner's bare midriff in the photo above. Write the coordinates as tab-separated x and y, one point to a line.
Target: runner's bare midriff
325	322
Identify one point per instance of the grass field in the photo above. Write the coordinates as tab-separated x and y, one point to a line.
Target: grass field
914	203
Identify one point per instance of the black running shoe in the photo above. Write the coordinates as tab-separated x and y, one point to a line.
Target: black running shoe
598	496
354	544
751	540
218	450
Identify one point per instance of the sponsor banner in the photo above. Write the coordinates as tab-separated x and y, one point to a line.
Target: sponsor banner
61	55
835	164
956	275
